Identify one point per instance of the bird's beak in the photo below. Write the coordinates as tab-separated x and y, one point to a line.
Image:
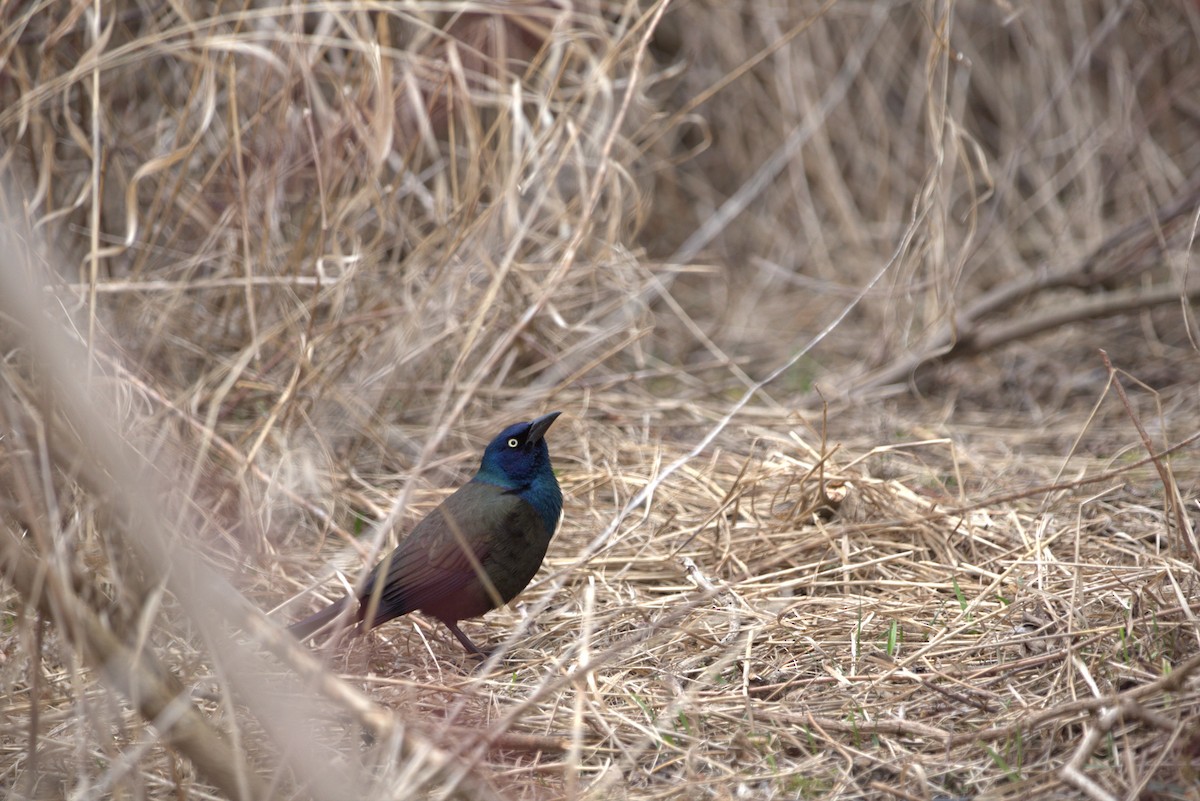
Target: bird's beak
538	428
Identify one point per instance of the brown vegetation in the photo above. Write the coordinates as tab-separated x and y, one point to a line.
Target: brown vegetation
873	325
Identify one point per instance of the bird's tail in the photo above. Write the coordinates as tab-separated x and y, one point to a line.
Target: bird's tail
310	625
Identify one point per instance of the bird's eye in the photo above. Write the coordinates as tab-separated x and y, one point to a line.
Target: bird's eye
513	442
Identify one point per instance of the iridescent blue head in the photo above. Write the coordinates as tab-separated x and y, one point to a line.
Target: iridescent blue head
518	462
518	458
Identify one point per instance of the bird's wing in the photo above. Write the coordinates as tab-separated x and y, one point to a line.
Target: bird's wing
432	562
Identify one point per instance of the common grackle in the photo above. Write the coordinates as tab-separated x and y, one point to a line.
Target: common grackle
474	552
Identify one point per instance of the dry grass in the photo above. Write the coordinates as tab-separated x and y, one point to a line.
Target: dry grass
271	275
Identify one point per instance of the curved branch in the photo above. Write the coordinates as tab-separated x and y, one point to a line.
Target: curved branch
1120	257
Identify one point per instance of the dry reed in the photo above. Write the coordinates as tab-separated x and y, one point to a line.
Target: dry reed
273	273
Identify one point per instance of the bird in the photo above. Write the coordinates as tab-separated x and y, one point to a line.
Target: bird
475	552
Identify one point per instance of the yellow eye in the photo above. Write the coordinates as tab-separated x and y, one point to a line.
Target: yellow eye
513	442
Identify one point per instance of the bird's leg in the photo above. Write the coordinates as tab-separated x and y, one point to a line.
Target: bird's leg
471	647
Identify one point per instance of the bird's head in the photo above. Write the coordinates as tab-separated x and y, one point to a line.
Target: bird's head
519	454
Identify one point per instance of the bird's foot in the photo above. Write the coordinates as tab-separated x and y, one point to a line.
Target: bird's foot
472	648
